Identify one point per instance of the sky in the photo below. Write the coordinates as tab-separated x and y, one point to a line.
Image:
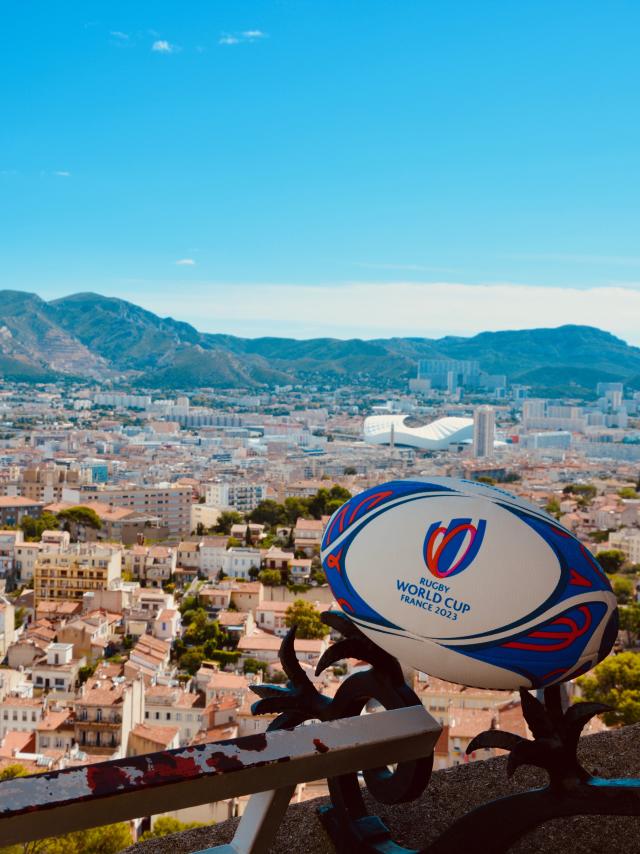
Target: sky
326	167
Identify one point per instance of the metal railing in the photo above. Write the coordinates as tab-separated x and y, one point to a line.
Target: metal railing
267	766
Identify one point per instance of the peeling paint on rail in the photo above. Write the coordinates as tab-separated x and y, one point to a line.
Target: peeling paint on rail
27	794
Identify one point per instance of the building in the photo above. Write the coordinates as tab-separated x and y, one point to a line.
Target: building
484	431
241	496
106	711
171	505
59	670
439	435
72	572
448	374
13	509
152	565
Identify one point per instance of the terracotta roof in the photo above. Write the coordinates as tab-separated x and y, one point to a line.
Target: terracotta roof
161	735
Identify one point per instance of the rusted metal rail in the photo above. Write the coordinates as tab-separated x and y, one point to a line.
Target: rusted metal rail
270	764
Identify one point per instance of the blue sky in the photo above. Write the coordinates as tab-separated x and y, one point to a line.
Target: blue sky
345	167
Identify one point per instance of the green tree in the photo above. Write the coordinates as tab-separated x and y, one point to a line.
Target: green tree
110	839
624	589
616	682
10	772
166	825
191	661
307	620
253	665
611	560
627	492
226	519
296	508
81	516
630	621
269	512
553	507
200	628
270	577
34	528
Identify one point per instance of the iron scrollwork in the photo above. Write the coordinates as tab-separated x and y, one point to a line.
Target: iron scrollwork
494	826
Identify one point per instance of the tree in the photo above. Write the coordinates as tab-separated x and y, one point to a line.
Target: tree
269	512
254	572
611	560
270	577
553	507
624	589
627	492
34	528
226	519
110	839
296	508
630	621
81	516
307	620
615	682
191	661
200	628
10	772
253	665
166	825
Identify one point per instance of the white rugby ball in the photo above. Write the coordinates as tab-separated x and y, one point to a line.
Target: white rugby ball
469	583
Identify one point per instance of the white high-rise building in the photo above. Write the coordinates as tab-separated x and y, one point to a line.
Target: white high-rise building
484	428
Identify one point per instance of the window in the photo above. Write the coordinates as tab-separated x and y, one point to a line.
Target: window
157	716
146	716
168	716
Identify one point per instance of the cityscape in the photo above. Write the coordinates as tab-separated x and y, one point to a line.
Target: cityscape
319	427
155	549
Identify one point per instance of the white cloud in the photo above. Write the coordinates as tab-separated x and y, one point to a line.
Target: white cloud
61	173
403	308
119	35
186	262
246	36
163	46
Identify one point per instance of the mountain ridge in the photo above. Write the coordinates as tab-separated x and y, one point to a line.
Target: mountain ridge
87	334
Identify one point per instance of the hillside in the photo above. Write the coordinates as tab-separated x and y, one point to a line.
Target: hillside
100	337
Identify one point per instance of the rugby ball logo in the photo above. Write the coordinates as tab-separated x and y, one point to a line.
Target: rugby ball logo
450	550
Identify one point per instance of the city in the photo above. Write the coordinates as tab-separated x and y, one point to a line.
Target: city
154	550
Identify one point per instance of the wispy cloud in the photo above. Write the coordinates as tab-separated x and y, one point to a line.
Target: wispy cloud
245	36
186	262
163	46
62	173
117	34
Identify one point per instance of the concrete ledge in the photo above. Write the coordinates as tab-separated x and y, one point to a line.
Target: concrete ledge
450	794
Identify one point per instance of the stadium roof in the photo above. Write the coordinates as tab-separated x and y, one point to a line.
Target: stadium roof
436	436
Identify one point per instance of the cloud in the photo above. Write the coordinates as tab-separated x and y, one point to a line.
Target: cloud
62	173
163	46
372	310
246	36
186	262
118	35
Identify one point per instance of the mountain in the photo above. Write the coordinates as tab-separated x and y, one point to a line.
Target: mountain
99	337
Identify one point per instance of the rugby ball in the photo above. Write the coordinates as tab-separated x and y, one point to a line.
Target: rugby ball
469	583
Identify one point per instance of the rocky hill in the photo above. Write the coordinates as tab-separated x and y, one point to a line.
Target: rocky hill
91	335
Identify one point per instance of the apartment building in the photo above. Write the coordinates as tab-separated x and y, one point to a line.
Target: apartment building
243	497
106	711
172	505
59	670
46	483
153	565
76	570
13	509
166	705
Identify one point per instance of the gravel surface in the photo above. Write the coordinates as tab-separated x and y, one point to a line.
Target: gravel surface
450	794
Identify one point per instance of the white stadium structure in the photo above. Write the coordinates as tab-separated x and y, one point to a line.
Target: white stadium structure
437	436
